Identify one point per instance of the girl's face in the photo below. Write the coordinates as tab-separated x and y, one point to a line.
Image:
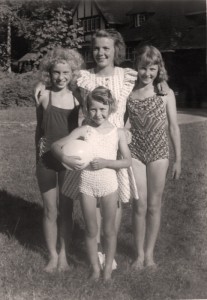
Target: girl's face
103	52
147	73
61	75
98	112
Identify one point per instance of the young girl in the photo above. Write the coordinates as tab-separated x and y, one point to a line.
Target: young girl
99	180
57	116
148	112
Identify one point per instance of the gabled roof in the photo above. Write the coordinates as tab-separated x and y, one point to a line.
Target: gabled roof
31	56
168	20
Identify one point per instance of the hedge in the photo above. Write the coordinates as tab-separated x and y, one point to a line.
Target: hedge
17	89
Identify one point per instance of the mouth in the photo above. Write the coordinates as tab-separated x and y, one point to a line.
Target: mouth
101	59
61	83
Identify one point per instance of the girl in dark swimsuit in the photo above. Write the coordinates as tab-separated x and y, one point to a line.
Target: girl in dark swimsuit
57	116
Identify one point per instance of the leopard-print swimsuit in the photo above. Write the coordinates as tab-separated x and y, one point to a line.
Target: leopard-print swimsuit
148	128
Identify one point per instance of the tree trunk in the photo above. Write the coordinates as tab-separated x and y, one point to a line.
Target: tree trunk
8	46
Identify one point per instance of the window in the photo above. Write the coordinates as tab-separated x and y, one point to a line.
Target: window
130	53
139	19
91	24
88	56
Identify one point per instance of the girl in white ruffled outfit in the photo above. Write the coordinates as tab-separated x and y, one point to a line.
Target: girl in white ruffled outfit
98	181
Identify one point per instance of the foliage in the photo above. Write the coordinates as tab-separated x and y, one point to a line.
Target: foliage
17	89
48	28
9	20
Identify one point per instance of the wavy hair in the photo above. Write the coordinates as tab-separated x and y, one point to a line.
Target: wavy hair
148	55
119	45
60	55
102	95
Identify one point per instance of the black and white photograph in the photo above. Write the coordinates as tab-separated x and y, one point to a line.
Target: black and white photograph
81	219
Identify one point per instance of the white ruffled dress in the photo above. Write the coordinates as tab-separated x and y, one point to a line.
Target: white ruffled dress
120	84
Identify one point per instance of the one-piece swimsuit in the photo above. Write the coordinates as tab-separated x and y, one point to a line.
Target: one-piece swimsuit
57	123
148	127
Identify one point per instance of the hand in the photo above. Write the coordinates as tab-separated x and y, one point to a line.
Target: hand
128	135
163	88
73	162
176	170
39	88
98	163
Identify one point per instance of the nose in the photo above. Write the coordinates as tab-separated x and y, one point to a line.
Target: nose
98	113
61	76
101	51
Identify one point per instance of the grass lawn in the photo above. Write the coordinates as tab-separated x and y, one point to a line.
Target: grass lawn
181	249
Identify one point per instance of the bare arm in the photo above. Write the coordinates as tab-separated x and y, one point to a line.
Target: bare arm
38	90
174	132
125	162
72	161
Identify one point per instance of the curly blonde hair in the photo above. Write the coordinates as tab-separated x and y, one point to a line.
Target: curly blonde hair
148	55
119	45
61	55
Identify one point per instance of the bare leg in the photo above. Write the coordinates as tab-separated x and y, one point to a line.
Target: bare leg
50	227
117	226
156	175
139	213
109	207
99	223
88	206
66	225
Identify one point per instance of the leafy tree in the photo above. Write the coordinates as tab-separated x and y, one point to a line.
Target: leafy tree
8	20
49	26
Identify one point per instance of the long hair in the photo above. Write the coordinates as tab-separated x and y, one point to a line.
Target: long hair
119	45
148	55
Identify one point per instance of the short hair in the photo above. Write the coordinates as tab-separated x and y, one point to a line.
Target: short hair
102	95
60	55
119	45
151	55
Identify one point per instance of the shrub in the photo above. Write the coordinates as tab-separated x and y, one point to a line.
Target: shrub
17	89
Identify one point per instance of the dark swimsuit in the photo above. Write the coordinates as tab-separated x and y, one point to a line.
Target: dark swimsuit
57	123
148	127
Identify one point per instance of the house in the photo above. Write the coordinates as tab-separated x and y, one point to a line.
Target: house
176	27
26	62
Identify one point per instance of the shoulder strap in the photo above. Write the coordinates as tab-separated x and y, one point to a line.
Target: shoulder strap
50	98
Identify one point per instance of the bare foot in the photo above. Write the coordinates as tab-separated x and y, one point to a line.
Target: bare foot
149	263
52	265
95	275
138	264
107	274
62	264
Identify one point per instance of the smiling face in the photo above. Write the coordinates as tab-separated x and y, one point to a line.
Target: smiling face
103	52
98	112
147	73
60	75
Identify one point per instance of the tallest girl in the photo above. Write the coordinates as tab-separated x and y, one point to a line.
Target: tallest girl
108	51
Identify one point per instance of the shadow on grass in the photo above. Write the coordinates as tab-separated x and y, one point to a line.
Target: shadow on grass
23	221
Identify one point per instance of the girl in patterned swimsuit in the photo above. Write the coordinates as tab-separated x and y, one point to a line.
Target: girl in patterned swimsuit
148	112
99	180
